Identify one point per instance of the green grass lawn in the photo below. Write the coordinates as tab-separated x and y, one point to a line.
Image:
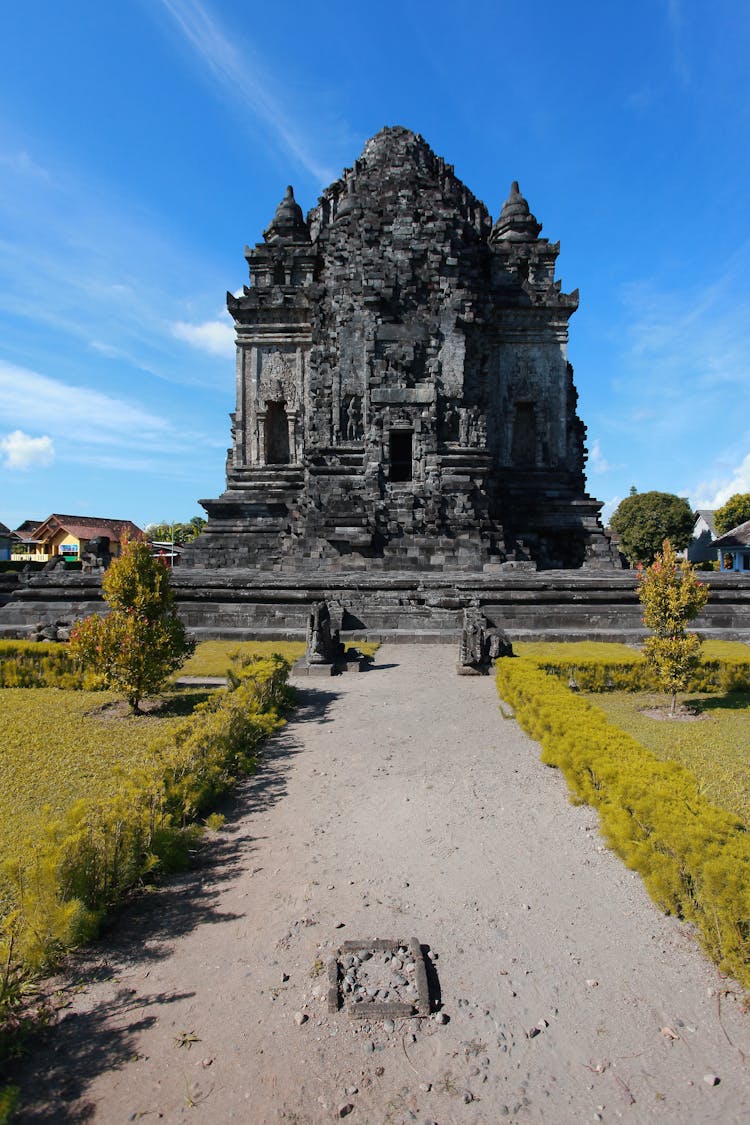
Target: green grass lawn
59	746
212	658
570	651
715	747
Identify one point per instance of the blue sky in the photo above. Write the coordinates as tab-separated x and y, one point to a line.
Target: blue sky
143	143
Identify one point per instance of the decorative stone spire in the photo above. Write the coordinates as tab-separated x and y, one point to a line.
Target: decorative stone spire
516	223
288	224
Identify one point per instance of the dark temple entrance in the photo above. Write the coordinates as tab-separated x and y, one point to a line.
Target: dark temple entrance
277	434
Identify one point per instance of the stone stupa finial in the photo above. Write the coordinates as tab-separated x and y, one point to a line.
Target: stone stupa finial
288	224
515	223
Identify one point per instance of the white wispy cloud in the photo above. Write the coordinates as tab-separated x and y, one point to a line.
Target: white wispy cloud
714	493
22	163
76	413
118	265
597	462
213	336
676	26
687	351
21	451
608	507
241	76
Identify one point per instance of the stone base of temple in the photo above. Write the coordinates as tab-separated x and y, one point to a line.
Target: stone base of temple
403	607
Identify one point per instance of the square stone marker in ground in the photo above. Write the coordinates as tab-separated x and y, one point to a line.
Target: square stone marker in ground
379	979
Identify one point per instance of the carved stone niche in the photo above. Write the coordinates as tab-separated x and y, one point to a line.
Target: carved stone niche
277	407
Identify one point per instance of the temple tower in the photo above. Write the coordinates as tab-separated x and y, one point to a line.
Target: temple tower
404	398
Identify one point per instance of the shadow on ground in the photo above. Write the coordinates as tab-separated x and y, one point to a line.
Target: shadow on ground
61	1060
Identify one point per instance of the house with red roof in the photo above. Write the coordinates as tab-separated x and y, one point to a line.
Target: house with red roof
69	536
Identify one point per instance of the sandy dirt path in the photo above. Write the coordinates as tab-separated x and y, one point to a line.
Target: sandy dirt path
398	802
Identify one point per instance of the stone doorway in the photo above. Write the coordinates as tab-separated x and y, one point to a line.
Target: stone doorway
401	455
276	434
523	449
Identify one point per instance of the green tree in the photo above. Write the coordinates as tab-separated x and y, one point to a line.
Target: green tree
141	641
671	596
644	520
183	532
733	513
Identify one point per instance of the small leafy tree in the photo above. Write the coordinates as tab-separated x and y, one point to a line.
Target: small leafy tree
644	520
182	532
671	596
733	513
141	641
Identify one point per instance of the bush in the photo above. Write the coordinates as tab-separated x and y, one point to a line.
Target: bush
604	667
141	641
694	858
43	664
60	882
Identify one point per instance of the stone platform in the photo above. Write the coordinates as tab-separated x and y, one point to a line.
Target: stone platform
404	607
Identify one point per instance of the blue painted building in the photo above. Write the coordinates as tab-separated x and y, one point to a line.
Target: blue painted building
734	549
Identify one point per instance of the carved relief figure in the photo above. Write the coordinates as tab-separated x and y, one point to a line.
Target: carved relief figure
353	424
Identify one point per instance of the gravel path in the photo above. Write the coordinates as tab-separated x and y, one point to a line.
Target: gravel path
398	803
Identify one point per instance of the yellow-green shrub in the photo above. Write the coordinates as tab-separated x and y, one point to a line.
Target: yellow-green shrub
630	672
212	658
43	664
694	858
57	885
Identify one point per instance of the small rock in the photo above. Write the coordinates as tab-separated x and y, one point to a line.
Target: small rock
532	1032
542	1025
432	955
379	1071
345	1109
284	978
206	1062
369	1046
389	1025
300	1018
468	1097
425	1087
340	925
440	1017
711	1079
352	1090
592	983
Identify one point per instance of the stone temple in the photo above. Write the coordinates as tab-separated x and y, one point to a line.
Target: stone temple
405	445
404	397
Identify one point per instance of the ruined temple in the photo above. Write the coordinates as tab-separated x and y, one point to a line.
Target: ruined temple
404	398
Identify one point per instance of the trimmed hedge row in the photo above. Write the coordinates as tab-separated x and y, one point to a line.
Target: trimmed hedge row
632	673
694	858
43	664
55	896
